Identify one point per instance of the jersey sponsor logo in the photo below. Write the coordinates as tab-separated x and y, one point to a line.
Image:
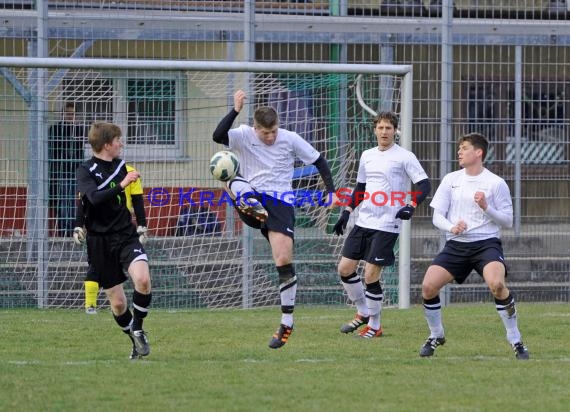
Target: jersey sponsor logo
99	175
289	230
113	184
378	259
138	251
454	187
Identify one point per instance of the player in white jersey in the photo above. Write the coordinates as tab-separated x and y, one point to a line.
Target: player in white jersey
471	206
384	174
263	190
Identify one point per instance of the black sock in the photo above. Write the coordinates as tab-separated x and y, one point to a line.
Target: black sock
140	308
124	321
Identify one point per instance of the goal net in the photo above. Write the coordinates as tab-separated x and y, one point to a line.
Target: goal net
200	253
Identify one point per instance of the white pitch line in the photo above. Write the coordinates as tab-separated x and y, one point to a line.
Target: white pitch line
72	363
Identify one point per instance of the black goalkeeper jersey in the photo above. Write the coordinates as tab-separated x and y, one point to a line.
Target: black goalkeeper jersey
104	201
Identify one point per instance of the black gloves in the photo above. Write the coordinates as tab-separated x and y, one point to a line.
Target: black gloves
339	227
405	213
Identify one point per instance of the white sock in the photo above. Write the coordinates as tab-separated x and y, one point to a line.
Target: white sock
374	303
432	313
375	309
287	294
374	297
355	291
239	187
287	319
508	314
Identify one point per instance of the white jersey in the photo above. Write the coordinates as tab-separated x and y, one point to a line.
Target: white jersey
269	168
454	199
387	175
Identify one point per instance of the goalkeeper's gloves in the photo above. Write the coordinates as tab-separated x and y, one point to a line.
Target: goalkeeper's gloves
339	227
141	230
78	236
405	213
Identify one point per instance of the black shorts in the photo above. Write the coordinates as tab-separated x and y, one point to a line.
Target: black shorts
111	255
460	258
373	246
281	217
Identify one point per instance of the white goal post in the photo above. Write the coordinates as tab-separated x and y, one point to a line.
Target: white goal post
329	104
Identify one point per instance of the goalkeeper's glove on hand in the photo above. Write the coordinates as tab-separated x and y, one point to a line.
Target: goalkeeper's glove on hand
405	213
141	230
78	236
338	228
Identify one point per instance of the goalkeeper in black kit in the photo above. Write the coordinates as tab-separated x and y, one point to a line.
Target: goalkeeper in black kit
113	244
135	204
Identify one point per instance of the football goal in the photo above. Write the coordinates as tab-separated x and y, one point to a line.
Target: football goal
200	253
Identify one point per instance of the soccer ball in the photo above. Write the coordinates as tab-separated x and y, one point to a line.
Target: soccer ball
224	165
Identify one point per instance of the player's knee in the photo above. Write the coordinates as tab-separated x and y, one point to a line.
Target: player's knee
429	290
118	304
140	275
436	277
345	268
344	273
283	257
142	284
497	288
372	277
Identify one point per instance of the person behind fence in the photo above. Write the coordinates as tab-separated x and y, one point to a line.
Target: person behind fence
65	154
385	169
135	204
113	244
470	206
267	154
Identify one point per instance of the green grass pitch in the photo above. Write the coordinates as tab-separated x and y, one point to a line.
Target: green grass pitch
218	360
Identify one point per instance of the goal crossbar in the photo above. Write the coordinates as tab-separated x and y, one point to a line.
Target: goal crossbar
176	65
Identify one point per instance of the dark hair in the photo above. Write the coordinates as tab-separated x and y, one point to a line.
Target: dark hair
69	105
101	133
478	141
266	117
389	116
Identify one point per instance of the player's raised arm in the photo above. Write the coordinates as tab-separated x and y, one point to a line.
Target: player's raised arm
221	133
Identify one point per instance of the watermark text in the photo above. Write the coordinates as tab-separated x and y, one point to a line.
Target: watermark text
160	196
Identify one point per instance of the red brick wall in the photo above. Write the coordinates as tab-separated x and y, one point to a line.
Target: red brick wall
161	219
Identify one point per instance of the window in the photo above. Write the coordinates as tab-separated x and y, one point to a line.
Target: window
490	109
145	108
543	110
151	111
